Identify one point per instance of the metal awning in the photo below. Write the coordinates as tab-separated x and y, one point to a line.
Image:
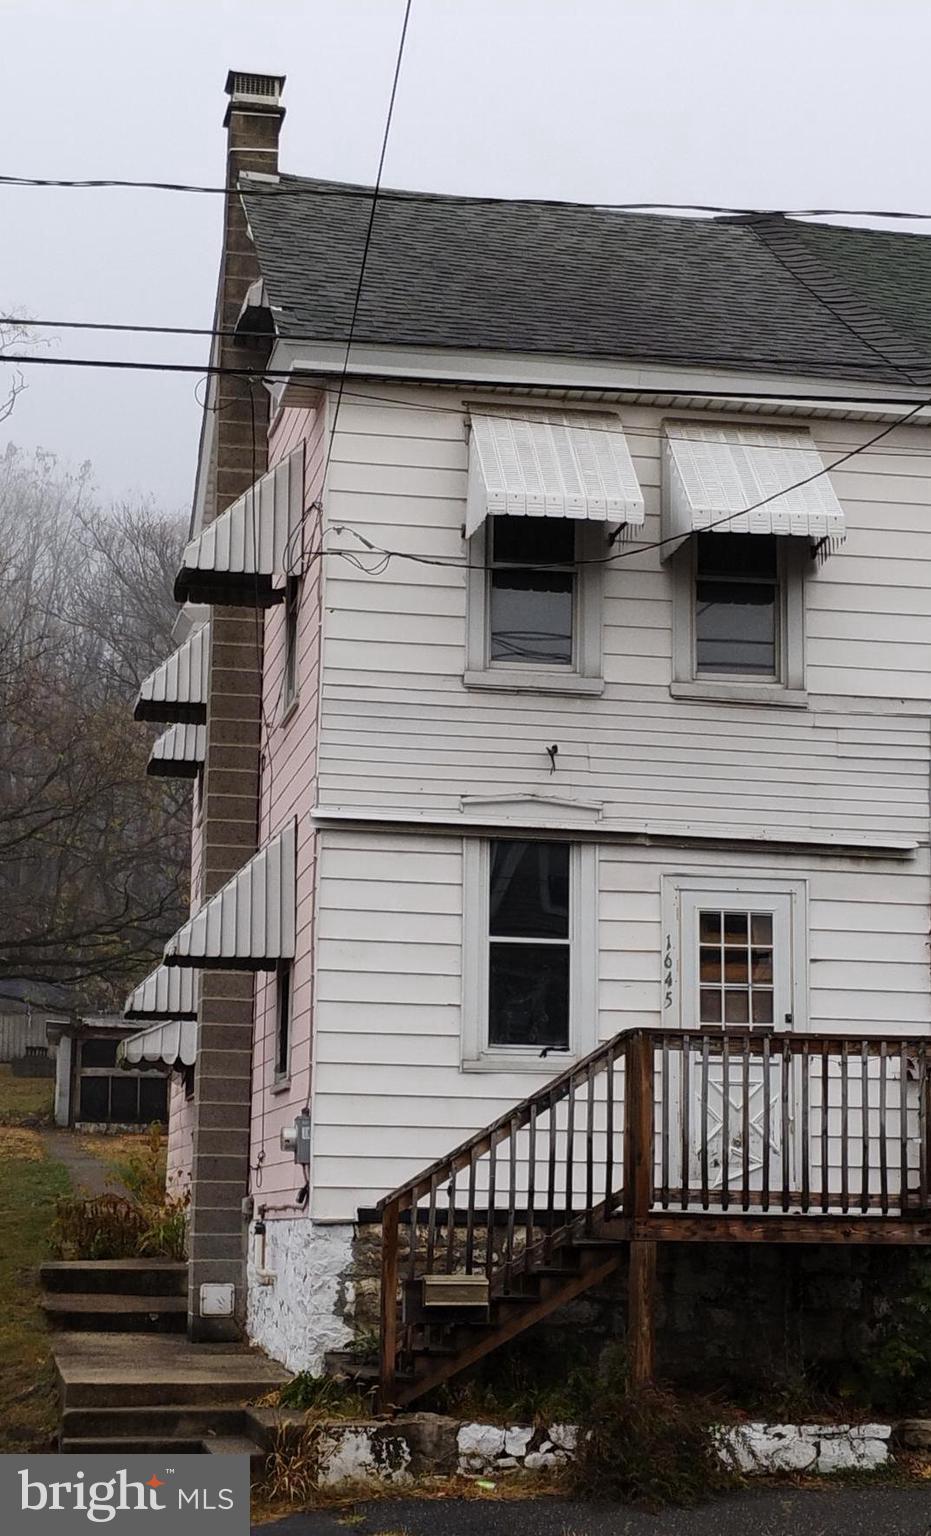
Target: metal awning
173	1043
713	475
244	555
178	753
165	994
249	925
177	690
551	464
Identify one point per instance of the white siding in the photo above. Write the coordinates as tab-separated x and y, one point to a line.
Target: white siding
399	728
389	1093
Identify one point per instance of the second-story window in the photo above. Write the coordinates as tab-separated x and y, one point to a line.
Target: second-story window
532	591
292	605
737	606
283	1023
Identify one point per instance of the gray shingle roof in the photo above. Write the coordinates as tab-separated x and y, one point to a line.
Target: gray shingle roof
464	273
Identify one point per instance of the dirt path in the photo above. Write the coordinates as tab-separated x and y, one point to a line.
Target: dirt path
89	1174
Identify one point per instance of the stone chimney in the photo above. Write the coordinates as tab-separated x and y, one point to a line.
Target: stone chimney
238	431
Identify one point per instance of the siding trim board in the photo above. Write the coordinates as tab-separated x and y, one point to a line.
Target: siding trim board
644	833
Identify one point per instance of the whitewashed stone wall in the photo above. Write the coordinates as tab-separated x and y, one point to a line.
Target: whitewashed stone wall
297	1299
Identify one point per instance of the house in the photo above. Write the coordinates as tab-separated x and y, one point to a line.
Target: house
556	683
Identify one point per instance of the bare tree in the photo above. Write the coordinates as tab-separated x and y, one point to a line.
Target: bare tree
14	335
93	855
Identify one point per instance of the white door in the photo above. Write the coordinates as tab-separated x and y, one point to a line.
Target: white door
737	971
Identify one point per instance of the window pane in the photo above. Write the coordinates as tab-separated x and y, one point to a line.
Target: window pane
533	540
709	964
736	966
736	1006
735	927
710	1005
709	927
283	1046
528	995
762	1007
761	927
529	895
153	1098
531	616
98	1053
735	627
95	1099
763	966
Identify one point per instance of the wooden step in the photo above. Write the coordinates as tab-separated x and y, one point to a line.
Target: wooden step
123	1277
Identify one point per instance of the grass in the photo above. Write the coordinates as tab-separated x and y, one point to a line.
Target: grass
30	1185
25	1100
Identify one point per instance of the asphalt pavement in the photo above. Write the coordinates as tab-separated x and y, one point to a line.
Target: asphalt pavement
850	1511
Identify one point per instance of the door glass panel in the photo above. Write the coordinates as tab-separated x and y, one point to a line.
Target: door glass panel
735	967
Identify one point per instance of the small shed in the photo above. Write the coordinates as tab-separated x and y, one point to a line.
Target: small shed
92	1090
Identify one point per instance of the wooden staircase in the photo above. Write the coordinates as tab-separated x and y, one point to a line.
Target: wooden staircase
717	1135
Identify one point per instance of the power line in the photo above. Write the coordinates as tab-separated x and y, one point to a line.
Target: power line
684	358
350	190
202	369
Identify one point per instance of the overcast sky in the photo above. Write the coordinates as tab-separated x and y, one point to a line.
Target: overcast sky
769	103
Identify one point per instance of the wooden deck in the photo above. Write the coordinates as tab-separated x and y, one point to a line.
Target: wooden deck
709	1136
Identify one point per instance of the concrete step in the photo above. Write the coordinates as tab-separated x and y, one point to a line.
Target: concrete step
124	1277
174	1420
236	1445
121	1446
115	1314
117	1370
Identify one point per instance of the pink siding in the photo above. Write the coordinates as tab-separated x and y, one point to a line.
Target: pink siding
289	789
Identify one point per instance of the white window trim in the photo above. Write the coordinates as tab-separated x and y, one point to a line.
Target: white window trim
722	889
788	690
477	1055
585	675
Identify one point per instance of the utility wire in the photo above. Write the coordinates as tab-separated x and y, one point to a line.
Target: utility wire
203	369
351	190
684	358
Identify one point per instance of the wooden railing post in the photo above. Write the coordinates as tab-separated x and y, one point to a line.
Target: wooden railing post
389	1302
638	1199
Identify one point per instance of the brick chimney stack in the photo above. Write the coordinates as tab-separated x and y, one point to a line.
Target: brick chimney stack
238	432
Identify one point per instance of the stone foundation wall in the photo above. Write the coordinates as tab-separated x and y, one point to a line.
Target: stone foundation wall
735	1317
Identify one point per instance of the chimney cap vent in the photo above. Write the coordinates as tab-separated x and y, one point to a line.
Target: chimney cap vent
245	85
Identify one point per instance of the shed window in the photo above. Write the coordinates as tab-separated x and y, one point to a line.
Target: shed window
98	1053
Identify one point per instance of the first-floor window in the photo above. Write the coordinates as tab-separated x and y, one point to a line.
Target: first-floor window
530	965
529	951
283	1023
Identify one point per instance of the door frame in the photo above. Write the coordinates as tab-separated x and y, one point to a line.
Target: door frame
743	890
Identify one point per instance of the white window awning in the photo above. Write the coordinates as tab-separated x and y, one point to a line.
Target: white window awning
244	556
165	994
173	1044
177	690
178	753
737	479
249	925
551	464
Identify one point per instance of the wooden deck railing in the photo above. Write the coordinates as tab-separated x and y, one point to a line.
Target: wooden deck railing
709	1123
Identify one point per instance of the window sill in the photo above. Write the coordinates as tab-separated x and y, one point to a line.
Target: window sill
556	1061
280	1085
742	693
290	709
512	680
